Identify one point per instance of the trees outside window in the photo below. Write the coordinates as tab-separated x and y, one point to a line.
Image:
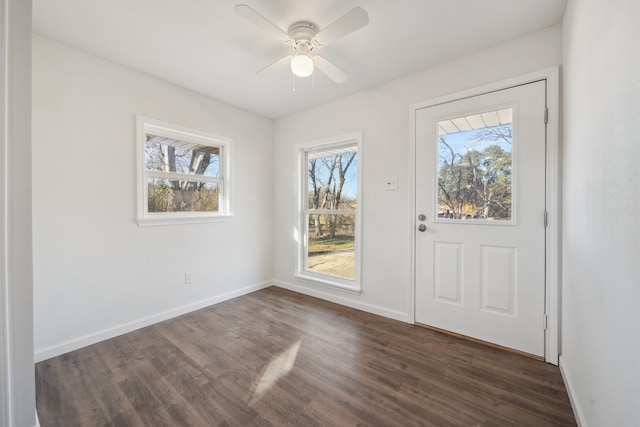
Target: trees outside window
475	174
330	211
184	174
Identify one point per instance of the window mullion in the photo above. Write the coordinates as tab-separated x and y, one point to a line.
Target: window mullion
330	211
182	176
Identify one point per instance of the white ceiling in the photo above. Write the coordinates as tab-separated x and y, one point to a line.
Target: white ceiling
204	46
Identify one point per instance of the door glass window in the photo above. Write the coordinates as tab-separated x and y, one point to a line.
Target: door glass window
475	168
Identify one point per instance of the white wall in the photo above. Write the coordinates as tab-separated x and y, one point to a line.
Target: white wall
17	383
382	113
601	237
96	273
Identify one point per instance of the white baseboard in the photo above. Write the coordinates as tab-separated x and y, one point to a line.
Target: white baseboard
575	404
369	308
86	340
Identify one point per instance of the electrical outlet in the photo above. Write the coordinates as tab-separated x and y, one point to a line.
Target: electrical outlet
187	278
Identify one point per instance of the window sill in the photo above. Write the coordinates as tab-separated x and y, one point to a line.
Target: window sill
179	220
345	285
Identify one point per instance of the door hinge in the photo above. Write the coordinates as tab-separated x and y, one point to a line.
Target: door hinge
544	321
546	219
546	115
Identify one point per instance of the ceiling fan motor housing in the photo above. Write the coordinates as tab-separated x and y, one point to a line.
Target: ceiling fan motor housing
303	30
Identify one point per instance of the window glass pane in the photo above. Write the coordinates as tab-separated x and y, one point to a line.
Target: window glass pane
331	245
475	166
174	155
332	179
165	195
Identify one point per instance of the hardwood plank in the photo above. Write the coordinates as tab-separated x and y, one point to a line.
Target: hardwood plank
52	396
275	358
479	341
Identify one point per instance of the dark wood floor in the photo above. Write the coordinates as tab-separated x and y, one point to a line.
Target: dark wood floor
275	357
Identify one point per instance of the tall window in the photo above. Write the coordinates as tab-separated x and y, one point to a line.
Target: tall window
330	207
183	174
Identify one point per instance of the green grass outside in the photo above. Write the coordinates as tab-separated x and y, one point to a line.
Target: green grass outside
328	244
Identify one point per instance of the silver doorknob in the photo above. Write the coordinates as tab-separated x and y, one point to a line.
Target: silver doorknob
422	227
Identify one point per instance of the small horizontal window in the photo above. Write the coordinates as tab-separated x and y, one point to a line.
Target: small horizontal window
183	174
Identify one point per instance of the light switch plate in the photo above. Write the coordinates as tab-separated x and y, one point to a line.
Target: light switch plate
391	183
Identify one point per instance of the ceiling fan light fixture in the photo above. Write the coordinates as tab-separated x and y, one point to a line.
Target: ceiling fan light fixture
302	65
304	37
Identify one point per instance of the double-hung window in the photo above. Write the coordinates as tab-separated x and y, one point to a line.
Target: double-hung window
183	174
329	247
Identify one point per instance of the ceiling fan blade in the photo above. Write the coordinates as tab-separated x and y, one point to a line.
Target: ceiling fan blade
333	72
279	63
355	19
260	21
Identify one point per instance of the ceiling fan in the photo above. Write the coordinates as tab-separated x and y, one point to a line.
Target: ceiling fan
305	37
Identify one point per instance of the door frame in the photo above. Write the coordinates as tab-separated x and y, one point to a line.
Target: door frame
552	196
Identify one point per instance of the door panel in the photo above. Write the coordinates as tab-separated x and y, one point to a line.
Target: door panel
447	270
480	181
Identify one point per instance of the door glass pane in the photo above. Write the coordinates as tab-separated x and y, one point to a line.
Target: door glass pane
475	167
331	244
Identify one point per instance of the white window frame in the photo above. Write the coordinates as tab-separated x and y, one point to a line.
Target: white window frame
348	140
156	127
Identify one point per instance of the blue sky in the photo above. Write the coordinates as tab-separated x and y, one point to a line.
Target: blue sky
460	141
351	178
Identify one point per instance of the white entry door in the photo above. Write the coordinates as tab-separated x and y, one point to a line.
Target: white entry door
480	217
